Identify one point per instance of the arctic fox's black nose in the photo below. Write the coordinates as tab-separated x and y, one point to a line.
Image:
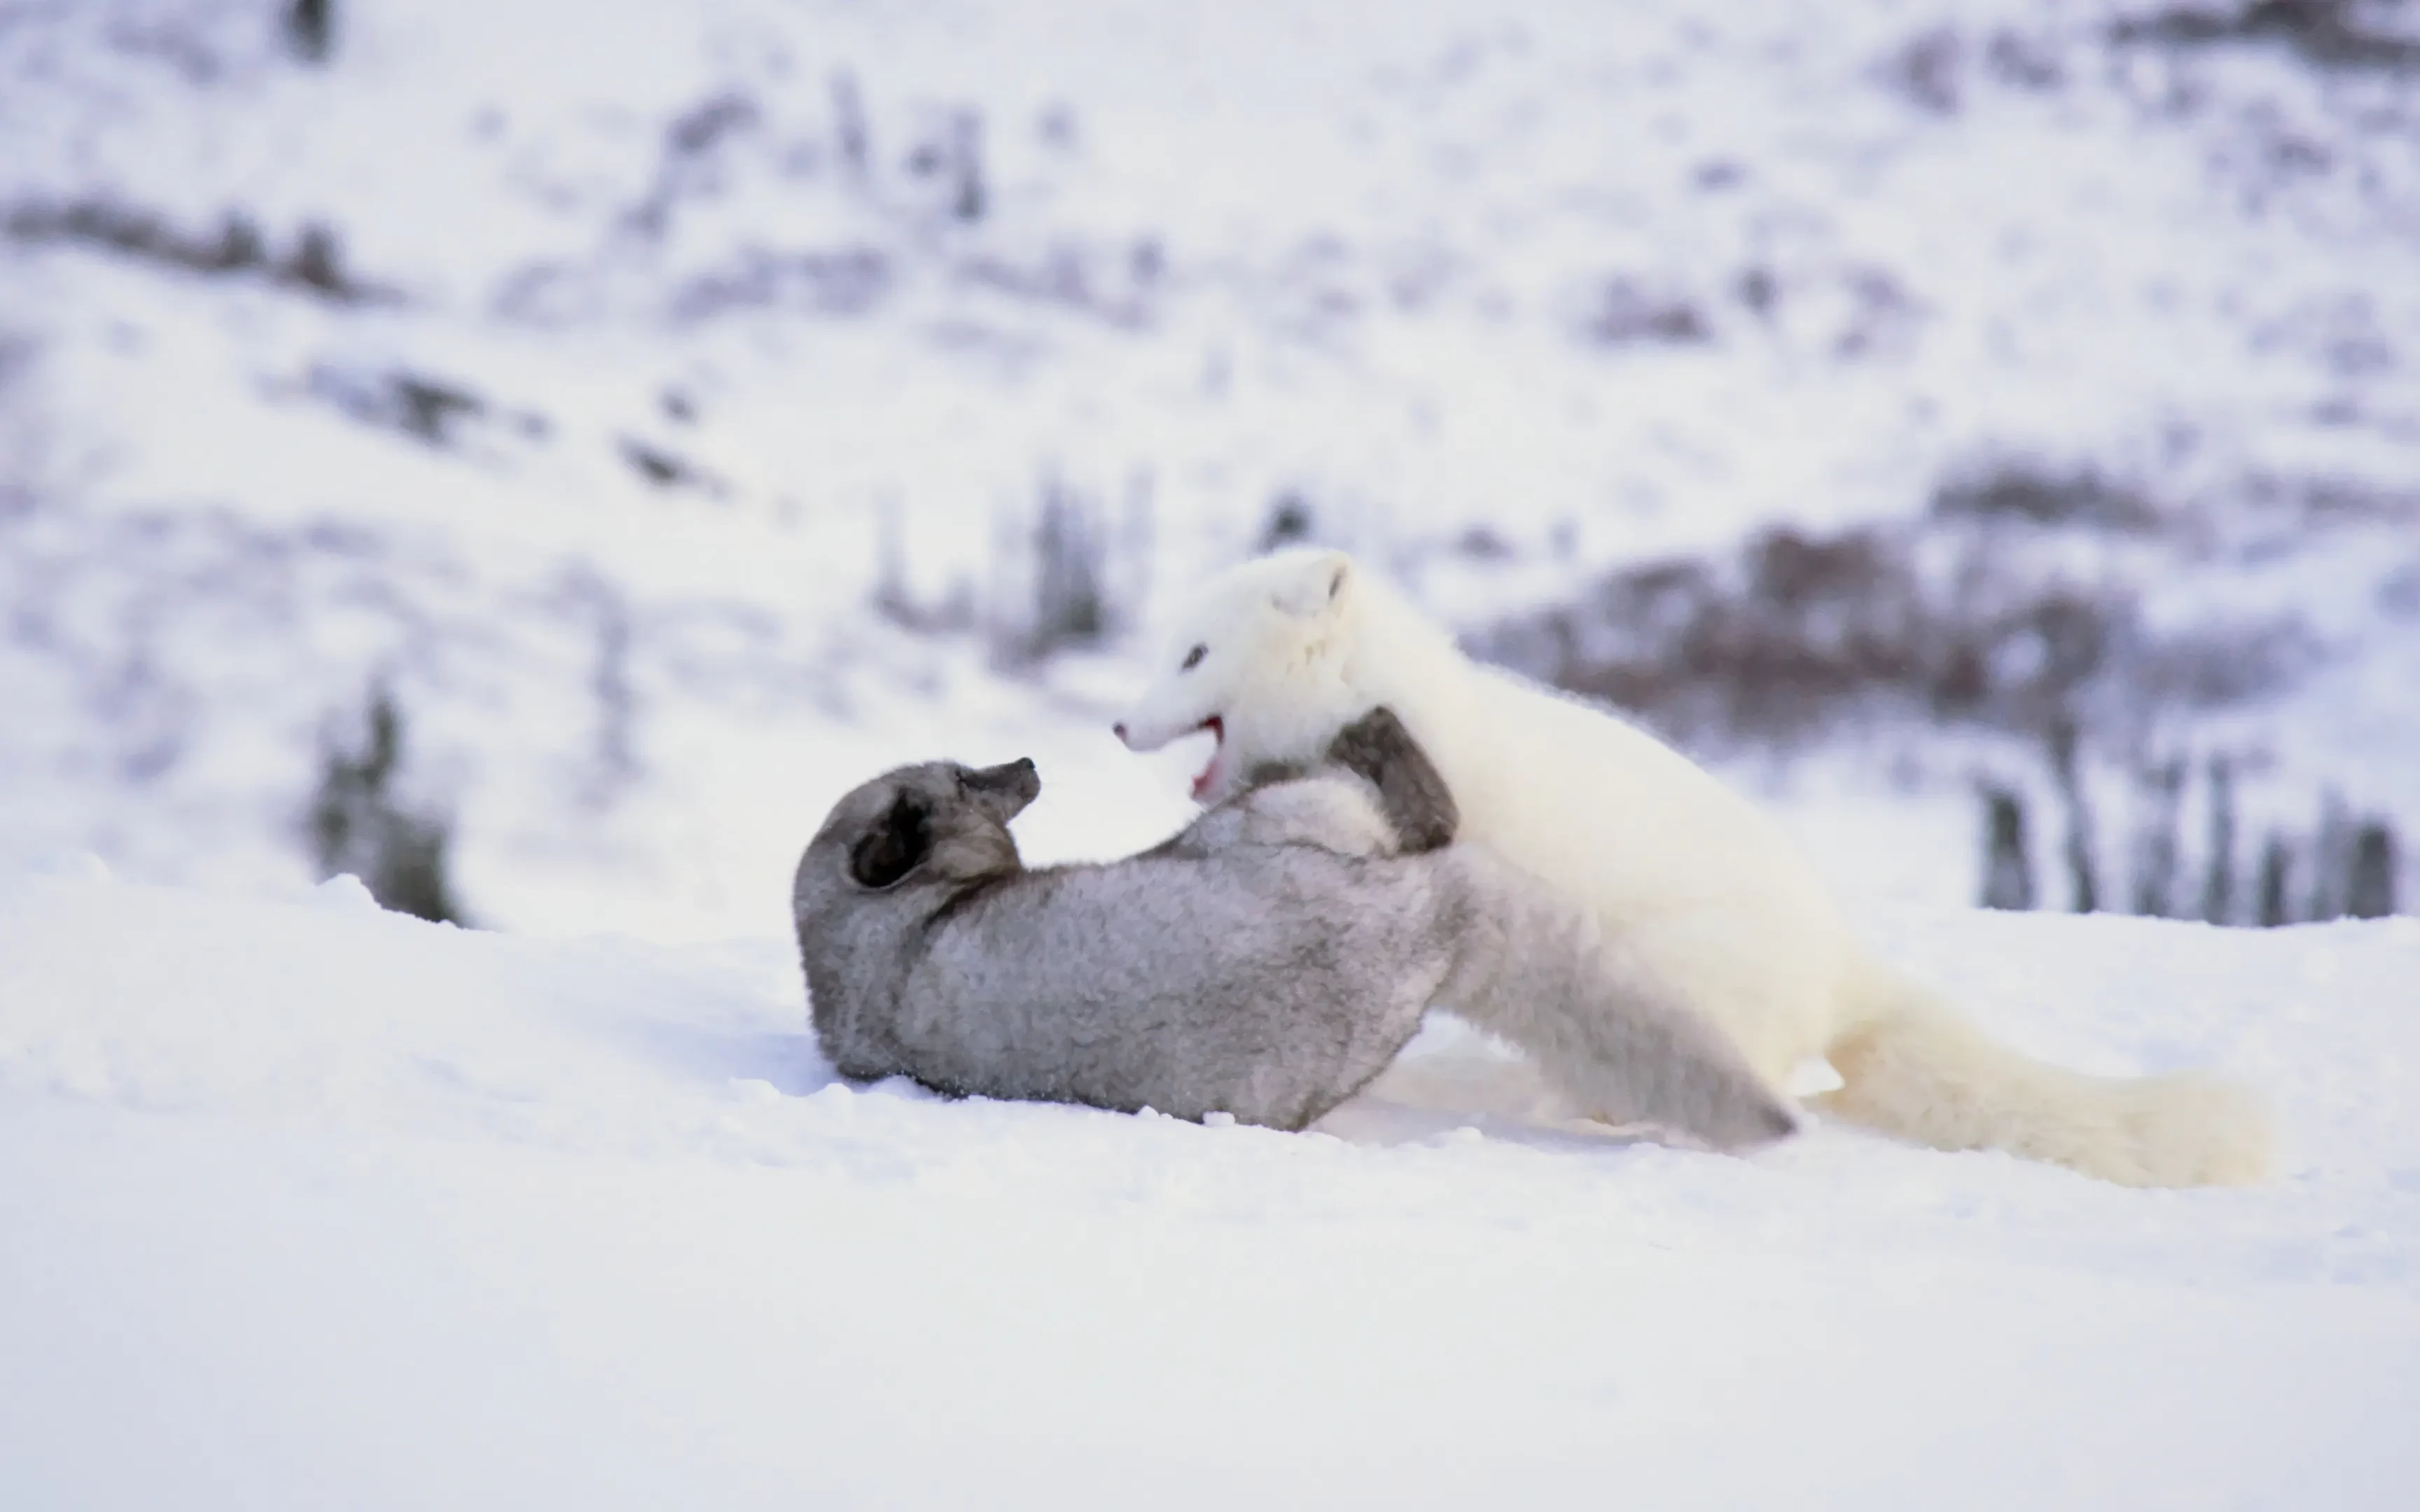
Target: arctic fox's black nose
1119	730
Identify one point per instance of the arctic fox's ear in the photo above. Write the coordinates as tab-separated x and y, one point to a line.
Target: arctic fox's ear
1315	585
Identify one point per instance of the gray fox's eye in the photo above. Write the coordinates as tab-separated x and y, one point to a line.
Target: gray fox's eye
1193	658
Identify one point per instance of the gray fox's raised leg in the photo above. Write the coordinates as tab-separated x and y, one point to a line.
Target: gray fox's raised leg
1411	792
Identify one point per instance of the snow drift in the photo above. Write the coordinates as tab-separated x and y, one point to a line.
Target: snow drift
313	1205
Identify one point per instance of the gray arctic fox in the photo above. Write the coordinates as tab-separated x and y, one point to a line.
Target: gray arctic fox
1268	961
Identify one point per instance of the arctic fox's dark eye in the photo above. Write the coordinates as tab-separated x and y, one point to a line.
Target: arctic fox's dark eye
1193	658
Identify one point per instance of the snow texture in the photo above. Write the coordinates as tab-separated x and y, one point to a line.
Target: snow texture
314	1204
660	400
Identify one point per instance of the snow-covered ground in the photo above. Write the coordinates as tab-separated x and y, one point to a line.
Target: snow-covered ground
310	1205
679	467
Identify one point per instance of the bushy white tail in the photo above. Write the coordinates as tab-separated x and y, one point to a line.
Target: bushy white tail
1913	1067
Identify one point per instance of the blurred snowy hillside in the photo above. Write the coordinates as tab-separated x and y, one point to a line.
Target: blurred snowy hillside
685	409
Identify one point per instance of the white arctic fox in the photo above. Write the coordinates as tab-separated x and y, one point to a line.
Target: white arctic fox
1274	657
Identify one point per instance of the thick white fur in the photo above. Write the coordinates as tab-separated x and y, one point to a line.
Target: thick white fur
1706	889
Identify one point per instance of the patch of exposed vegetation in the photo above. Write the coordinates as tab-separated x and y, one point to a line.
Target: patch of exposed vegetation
359	823
1801	632
2329	34
312	261
440	412
2343	867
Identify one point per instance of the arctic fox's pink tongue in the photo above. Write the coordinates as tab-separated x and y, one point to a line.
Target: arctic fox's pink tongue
1218	729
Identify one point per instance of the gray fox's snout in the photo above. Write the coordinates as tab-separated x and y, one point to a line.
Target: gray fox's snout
1009	786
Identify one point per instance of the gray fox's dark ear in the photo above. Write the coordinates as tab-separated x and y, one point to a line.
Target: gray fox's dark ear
896	845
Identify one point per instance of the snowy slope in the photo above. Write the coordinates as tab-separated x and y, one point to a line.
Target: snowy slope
312	1205
1607	280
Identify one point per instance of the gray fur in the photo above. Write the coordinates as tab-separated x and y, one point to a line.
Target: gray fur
1268	961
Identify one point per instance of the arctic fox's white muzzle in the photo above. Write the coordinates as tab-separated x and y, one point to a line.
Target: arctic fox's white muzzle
1152	737
1143	734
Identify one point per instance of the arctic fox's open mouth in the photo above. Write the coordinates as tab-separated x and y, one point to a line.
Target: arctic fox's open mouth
1218	729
